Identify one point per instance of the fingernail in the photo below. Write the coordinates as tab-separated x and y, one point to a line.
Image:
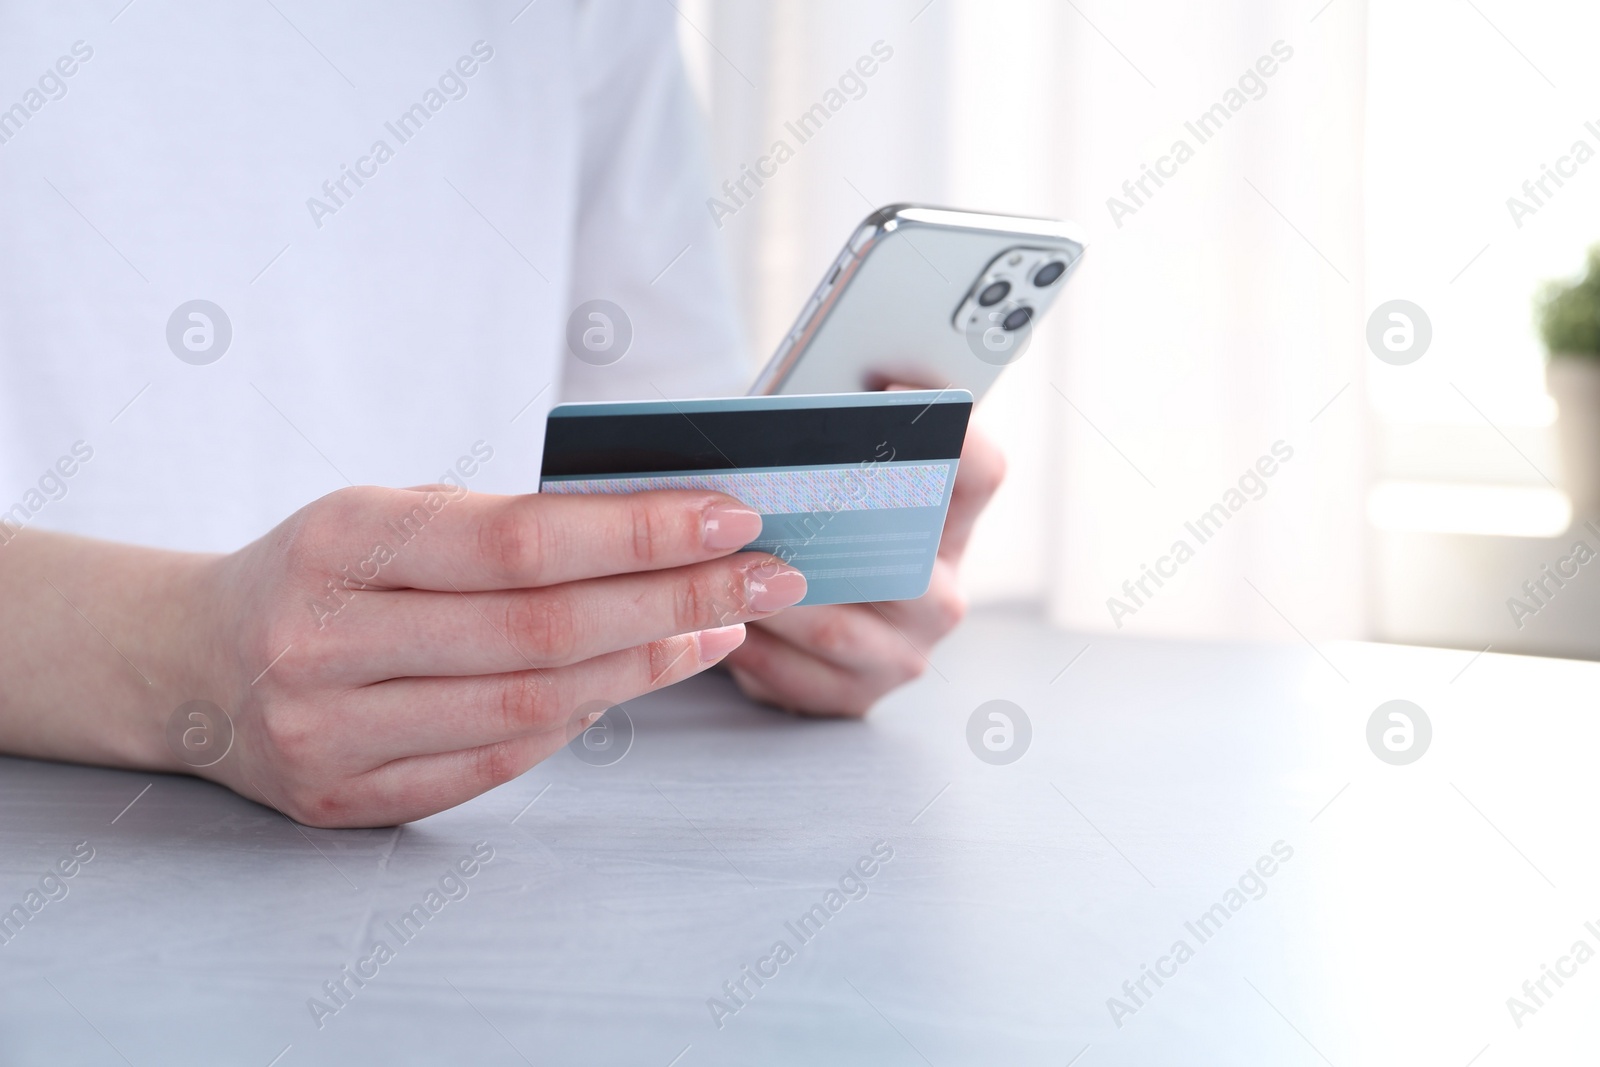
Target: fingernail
769	588
727	526
714	644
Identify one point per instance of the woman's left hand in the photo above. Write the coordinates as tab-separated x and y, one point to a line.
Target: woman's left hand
839	659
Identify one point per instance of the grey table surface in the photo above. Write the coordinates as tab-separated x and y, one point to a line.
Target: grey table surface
1017	902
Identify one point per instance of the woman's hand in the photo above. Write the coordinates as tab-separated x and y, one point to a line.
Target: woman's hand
839	659
473	650
383	654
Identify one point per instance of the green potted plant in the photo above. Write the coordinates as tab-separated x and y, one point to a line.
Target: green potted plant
1568	314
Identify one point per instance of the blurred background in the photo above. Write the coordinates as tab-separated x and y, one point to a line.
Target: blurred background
1228	310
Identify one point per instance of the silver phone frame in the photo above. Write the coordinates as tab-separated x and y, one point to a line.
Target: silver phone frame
873	229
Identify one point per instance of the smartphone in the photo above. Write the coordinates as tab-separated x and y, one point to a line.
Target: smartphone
928	297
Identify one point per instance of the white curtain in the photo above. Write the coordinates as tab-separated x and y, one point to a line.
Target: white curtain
1219	319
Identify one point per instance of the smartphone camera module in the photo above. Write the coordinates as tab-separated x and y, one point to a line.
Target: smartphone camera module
1006	299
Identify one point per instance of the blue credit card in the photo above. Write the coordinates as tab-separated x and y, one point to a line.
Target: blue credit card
852	487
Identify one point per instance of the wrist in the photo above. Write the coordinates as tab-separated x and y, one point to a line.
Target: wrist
177	650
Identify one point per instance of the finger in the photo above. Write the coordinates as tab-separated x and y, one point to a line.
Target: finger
861	637
978	477
850	637
412	716
775	672
369	537
415	787
417	633
928	619
419	786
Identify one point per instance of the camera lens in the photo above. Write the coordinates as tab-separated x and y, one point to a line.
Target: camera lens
1017	319
1047	274
993	293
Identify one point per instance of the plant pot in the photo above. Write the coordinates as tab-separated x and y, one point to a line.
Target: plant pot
1573	381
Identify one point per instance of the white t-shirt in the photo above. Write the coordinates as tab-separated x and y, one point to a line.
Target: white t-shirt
396	207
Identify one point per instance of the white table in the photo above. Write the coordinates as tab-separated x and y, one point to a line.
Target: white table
1018	900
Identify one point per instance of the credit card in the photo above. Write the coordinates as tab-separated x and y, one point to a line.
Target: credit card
852	488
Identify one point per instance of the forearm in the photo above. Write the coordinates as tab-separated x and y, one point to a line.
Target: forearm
98	645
